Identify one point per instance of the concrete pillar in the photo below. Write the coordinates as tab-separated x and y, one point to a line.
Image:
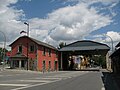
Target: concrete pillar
11	64
19	63
61	61
37	66
25	63
108	62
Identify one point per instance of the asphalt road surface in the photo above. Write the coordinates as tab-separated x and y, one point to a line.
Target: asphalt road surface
61	80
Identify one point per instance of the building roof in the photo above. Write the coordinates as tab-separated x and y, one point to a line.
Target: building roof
43	43
115	53
36	41
118	45
85	45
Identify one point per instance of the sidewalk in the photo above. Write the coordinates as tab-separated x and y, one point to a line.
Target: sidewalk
116	79
110	80
8	69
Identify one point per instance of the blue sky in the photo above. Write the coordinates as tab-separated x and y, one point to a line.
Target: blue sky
40	7
54	21
37	8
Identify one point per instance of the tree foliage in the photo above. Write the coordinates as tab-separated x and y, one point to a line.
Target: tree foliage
2	53
62	44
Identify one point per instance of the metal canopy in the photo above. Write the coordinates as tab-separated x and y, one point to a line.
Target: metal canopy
86	47
19	56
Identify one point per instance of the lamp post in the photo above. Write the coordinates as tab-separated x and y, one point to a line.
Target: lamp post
108	61
4	48
26	23
111	41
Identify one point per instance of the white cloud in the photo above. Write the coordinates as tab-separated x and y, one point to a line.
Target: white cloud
10	22
64	24
71	22
114	35
108	38
94	1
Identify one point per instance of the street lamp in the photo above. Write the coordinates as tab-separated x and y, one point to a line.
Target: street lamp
4	47
26	23
108	61
110	39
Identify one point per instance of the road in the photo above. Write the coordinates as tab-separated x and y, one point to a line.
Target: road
61	80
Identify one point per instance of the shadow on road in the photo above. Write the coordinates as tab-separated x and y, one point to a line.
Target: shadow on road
89	70
109	81
86	69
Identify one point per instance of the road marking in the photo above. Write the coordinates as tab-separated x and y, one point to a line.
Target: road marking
102	88
34	81
34	85
9	75
43	80
69	75
58	76
49	78
14	84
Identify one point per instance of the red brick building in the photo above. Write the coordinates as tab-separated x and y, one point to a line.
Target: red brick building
31	54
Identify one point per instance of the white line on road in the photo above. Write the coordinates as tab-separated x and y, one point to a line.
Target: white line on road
14	84
58	76
6	75
102	88
35	81
49	78
34	85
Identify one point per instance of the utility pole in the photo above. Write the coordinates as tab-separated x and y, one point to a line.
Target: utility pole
111	41
4	48
26	23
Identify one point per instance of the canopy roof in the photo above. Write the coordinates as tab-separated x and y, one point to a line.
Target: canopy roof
19	56
86	45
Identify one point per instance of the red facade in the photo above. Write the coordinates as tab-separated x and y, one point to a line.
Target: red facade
32	54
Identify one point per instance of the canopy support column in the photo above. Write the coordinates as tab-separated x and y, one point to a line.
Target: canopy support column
61	61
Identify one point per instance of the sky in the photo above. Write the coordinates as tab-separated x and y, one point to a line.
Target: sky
55	21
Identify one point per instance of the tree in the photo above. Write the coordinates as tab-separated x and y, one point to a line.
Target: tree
100	60
2	53
61	44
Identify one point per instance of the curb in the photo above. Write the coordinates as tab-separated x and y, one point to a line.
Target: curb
115	83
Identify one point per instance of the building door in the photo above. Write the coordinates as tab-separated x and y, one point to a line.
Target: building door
49	67
16	63
22	64
56	65
43	67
